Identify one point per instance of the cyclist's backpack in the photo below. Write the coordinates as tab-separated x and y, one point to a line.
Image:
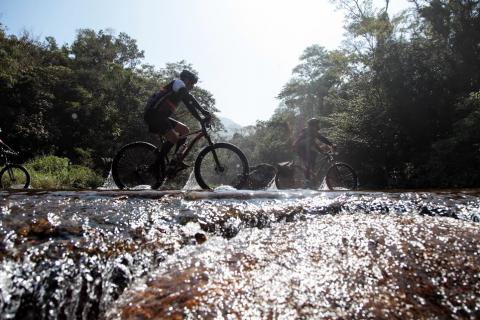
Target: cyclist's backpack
151	107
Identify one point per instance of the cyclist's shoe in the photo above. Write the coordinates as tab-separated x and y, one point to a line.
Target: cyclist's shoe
177	165
182	165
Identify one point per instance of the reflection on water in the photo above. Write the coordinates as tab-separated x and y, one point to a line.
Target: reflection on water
239	254
346	265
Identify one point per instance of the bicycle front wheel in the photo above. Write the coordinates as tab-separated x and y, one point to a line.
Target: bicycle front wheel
221	164
14	176
134	165
341	176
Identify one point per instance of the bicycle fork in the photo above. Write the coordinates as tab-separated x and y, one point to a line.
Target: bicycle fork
218	166
10	174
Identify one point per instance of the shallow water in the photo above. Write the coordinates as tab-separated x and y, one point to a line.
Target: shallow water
239	254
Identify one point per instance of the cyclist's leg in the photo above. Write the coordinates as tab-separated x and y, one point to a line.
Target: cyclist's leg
163	127
305	163
308	172
182	131
174	135
312	161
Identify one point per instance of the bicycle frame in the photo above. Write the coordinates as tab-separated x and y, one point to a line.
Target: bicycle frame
326	160
318	172
327	170
200	133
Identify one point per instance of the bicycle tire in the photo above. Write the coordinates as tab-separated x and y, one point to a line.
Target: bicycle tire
341	176
234	167
133	165
19	173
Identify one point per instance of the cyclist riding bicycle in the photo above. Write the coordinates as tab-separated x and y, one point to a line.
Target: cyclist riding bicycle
307	147
159	109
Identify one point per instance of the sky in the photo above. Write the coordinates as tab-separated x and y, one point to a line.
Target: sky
243	50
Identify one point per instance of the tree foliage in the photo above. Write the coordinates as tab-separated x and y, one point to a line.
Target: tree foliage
400	99
81	101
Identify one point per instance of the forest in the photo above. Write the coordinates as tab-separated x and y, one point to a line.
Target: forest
400	98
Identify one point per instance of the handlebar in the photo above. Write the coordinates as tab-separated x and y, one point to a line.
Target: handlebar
206	123
332	152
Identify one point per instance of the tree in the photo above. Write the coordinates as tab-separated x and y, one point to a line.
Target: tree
82	101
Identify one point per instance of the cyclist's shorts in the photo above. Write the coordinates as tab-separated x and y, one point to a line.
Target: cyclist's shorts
306	154
161	125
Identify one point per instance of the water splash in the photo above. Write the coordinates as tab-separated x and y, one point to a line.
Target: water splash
109	183
365	266
73	254
191	183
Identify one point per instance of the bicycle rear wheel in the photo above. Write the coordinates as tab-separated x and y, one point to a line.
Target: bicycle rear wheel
231	170
341	176
134	165
14	176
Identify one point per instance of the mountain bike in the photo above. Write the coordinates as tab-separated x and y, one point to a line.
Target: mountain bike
12	176
338	176
136	164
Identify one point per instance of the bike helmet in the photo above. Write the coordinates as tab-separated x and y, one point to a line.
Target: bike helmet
313	123
188	75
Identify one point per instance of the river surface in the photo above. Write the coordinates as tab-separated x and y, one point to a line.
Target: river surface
290	254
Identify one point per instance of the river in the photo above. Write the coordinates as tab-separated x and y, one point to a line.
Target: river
291	254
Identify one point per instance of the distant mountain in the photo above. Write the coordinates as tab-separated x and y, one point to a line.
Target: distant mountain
230	127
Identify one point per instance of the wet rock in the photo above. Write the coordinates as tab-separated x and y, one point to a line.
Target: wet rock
343	266
301	254
41	229
437	211
120	278
475	217
200	237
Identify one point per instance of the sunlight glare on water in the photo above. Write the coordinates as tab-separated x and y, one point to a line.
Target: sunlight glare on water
345	265
267	254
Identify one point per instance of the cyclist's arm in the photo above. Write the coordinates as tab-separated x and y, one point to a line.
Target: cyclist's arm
323	139
192	105
6	147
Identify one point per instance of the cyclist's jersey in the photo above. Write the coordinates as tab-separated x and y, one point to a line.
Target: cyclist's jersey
168	98
165	102
307	139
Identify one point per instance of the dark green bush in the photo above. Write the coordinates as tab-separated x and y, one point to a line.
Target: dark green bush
52	172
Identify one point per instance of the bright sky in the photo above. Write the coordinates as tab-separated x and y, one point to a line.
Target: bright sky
244	50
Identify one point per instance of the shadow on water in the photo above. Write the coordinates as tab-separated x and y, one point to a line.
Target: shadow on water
253	254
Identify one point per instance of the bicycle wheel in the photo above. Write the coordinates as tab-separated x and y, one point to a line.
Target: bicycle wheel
232	169
14	176
134	166
341	176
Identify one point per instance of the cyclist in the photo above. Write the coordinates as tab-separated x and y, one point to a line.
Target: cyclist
307	147
159	109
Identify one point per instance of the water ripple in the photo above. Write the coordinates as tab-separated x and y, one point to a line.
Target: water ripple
238	254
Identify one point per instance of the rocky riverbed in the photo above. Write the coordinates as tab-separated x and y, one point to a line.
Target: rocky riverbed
239	254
